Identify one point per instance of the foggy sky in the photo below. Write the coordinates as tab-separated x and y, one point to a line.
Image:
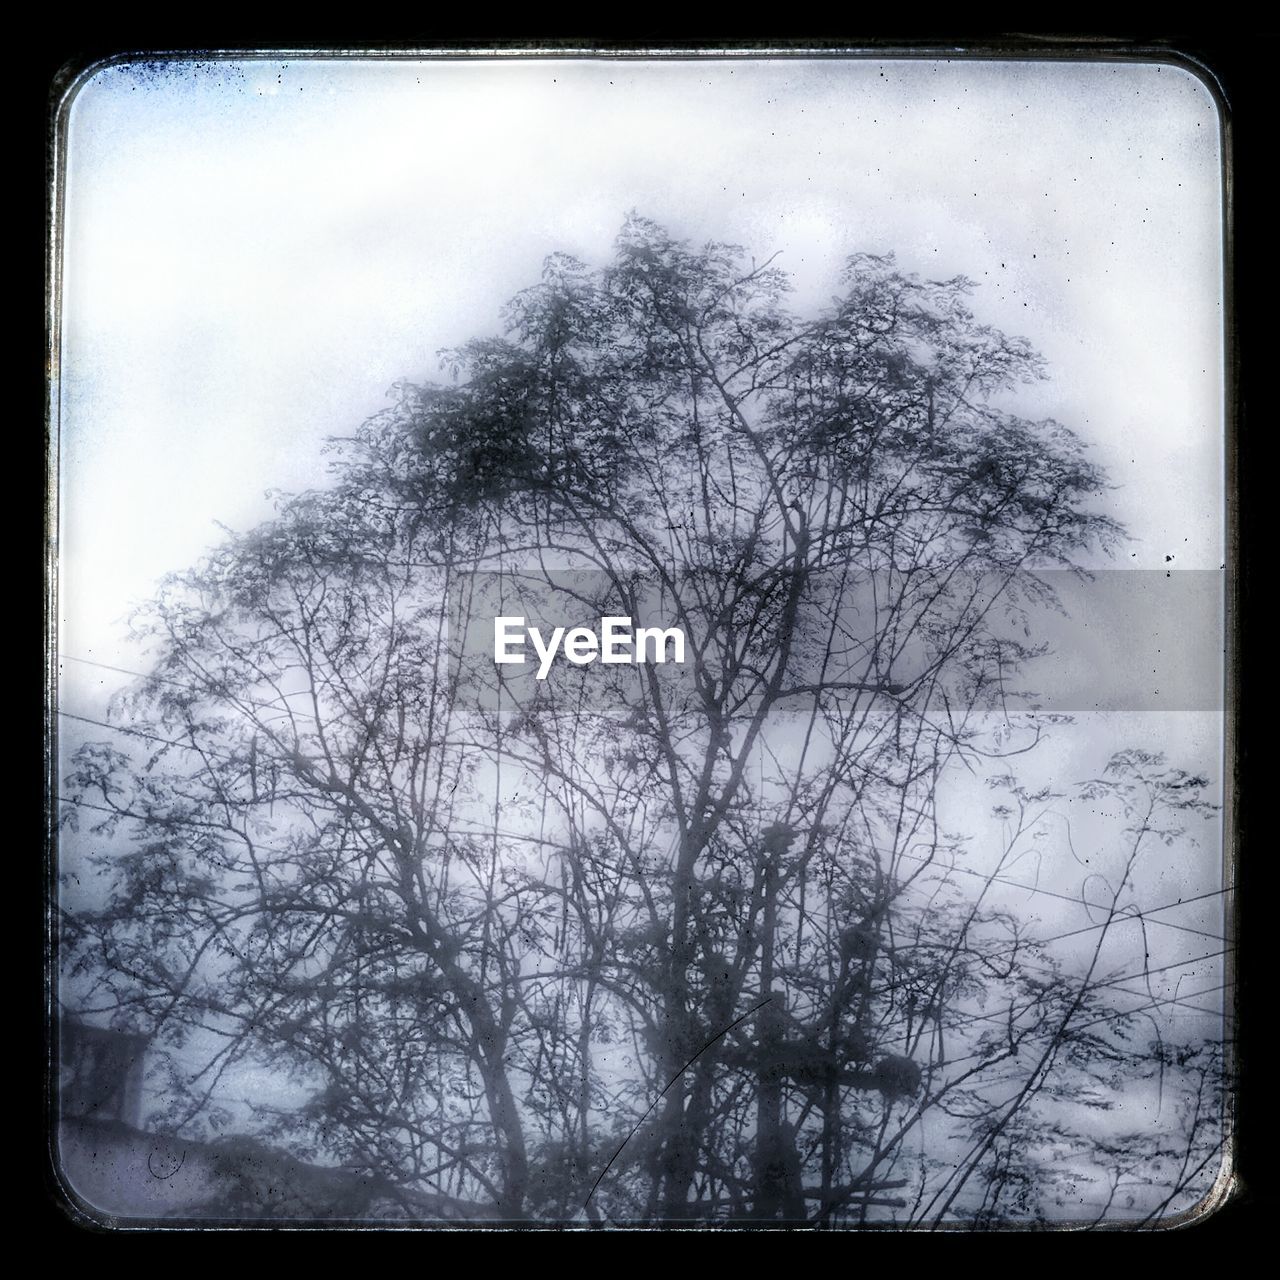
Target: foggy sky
253	252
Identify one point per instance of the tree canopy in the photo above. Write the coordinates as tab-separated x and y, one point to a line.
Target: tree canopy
642	943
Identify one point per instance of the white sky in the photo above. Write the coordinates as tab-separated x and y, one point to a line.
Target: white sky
254	252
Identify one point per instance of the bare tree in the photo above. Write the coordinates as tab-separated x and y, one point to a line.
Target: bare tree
655	942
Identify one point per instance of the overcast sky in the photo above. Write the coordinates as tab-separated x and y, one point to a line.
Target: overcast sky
253	252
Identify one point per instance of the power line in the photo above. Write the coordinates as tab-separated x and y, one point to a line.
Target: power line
151	737
1065	897
1147	914
1131	917
1128	917
1128	1013
1001	1015
184	684
1014	884
969	871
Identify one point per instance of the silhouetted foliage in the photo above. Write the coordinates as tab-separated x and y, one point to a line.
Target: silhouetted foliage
633	943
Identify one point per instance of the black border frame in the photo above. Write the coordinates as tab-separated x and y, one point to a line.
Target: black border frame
1233	68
